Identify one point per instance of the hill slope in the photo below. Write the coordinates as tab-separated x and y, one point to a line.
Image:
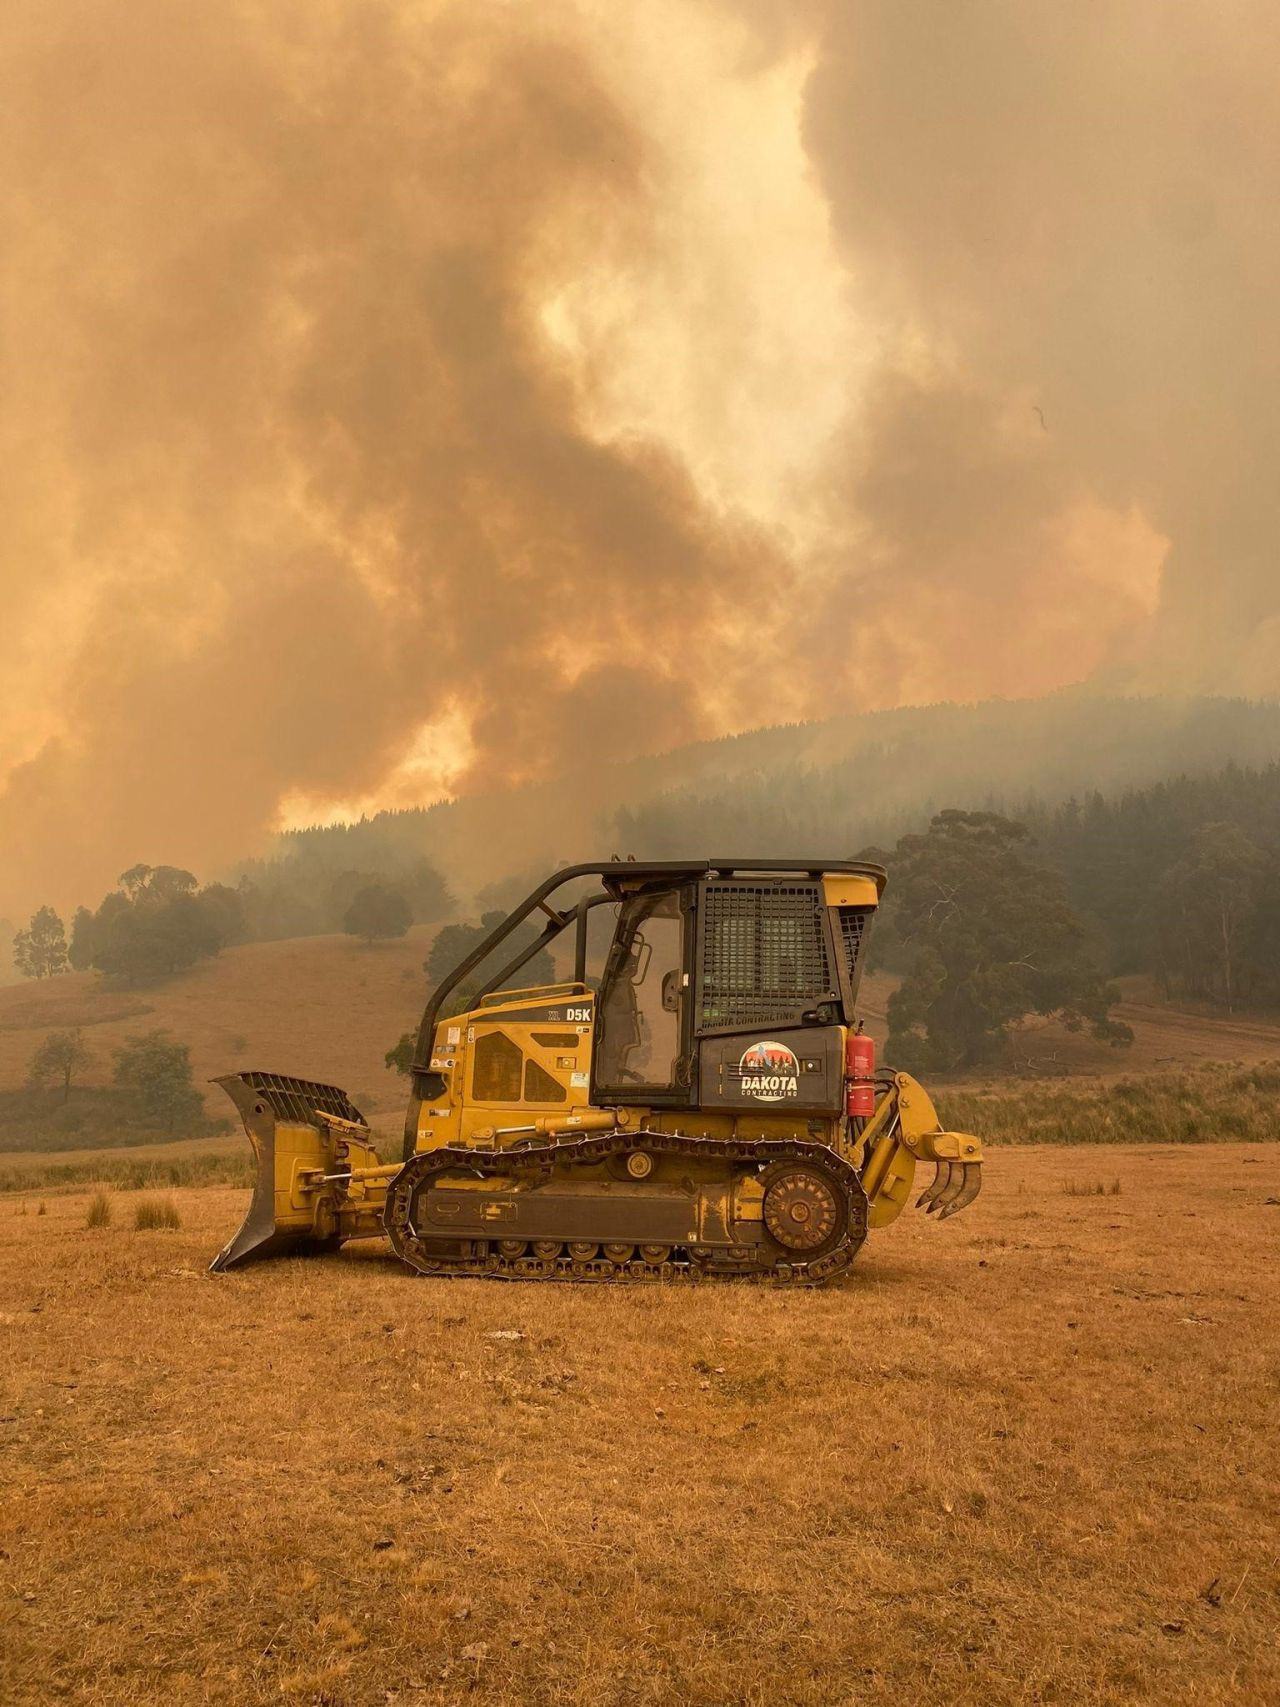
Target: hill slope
318	1007
860	777
327	1008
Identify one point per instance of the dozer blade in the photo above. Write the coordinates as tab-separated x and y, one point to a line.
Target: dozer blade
287	1215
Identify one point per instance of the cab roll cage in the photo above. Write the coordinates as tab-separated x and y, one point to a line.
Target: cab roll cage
619	879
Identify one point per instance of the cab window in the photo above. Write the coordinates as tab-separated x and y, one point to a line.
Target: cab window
642	1000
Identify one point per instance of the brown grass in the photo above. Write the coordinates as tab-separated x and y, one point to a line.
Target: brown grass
98	1213
1026	1456
142	1167
156	1214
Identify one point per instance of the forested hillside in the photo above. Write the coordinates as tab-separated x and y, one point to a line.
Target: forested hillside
834	784
1014	757
825	788
1181	879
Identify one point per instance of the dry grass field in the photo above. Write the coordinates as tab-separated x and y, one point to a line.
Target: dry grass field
1029	1456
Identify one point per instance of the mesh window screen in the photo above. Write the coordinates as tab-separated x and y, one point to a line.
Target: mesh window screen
764	956
853	925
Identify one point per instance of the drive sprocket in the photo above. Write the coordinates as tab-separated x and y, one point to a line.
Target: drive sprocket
803	1210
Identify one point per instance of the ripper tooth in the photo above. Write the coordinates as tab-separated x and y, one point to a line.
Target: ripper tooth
970	1186
937	1187
950	1194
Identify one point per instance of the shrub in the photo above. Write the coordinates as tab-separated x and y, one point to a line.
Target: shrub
99	1211
156	1213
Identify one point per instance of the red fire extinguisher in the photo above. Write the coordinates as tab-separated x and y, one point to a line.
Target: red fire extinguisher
859	1071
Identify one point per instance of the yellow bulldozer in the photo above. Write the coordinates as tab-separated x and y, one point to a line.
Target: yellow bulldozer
708	1106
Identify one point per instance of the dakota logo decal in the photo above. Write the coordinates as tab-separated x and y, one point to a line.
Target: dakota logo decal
769	1072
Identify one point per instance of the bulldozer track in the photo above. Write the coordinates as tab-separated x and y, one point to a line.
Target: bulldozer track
774	1266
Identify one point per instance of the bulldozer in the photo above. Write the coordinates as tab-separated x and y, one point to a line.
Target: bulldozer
707	1107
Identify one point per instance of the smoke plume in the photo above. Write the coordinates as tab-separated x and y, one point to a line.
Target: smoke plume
402	397
1080	227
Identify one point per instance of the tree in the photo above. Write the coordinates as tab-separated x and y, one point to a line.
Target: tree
342	891
223	909
1206	902
157	882
158	1070
988	938
61	1056
40	951
376	913
156	923
134	881
401	1056
80	952
427	893
153	938
454	943
273	911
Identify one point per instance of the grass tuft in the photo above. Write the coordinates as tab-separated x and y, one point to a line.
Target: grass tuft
43	1209
99	1214
338	1630
1091	1188
318	1684
156	1213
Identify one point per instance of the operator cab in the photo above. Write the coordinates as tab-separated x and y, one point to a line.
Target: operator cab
706	980
727	984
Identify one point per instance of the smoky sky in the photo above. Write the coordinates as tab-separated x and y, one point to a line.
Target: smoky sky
1082	209
302	499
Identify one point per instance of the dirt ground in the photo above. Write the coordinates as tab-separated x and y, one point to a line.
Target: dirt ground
1028	1456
